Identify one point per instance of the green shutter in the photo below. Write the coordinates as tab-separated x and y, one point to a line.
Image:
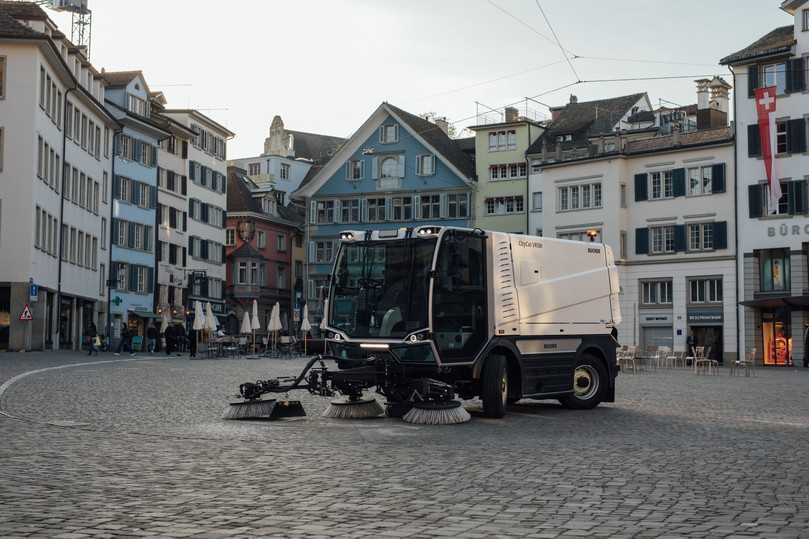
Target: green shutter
720	235
754	199
641	241
718	178
679	238
752	80
641	187
678	182
753	141
796	139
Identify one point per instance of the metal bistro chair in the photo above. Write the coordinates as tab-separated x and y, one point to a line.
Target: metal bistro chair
702	363
678	357
626	359
748	363
230	348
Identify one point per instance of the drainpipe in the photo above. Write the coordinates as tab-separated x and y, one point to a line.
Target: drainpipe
61	214
115	134
739	256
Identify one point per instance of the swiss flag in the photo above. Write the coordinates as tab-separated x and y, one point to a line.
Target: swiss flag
765	109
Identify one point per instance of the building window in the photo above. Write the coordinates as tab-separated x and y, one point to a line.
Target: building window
775	75
388	134
501	141
402	208
230	236
261	239
700	237
350	211
254	169
282	276
325	212
2	77
430	207
705	291
137	105
536	201
781	137
281	242
775	270
390	168
623	243
457	206
805	15
504	205
242	274
284	171
662	184
580	235
662	239
575	197
355	170
656	292
376	210
700	181
323	252
425	165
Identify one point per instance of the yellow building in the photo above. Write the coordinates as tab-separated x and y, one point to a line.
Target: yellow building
502	200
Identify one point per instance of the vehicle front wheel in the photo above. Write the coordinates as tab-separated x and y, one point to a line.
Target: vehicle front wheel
494	386
589	384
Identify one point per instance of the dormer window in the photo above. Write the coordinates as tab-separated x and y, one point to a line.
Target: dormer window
775	75
388	134
137	105
268	204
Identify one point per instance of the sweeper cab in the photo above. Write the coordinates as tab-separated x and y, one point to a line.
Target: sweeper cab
425	315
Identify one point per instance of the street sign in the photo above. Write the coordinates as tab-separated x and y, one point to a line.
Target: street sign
33	292
117	300
25	315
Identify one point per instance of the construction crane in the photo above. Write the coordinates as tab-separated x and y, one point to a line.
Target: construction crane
81	27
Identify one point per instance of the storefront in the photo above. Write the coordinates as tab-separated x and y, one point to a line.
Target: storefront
5	317
656	330
705	329
775	331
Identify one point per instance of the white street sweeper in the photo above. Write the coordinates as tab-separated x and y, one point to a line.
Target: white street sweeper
423	315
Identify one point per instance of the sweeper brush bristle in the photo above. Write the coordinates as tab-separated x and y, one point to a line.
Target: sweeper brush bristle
257	409
437	413
346	408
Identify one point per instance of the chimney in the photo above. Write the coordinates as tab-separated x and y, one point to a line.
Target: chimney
702	93
556	112
512	114
573	99
719	94
712	110
442	124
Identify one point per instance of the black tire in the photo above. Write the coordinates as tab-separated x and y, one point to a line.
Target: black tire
494	386
589	384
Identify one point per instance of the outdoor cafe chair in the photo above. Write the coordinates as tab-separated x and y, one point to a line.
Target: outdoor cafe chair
746	363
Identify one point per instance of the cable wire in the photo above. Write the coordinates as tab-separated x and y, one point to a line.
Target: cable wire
558	42
523	23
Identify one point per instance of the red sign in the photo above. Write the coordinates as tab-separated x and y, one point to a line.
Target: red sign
25	315
765	106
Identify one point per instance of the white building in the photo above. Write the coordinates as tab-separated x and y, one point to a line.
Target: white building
773	247
288	155
664	203
172	215
55	165
207	205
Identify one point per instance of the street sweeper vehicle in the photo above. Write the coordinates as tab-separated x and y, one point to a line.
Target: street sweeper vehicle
424	315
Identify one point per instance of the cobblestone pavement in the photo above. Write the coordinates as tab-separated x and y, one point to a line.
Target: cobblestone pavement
136	448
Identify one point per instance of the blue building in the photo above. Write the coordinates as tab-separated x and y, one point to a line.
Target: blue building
134	207
397	170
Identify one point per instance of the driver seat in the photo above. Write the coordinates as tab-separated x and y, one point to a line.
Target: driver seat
392	317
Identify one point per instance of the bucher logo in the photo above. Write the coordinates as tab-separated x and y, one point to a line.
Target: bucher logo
594	250
530	244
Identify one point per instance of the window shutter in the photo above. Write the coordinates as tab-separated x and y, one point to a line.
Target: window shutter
313	212
185	256
432	158
159	250
718	178
642	241
641	187
116	187
418	165
754	199
396	133
191	246
799	196
374	168
338	215
130	240
114	232
134	192
149	280
381	134
401	168
185	149
798	74
752	80
172	217
797	136
348	169
678	181
192	173
312	249
679	238
185	221
203	248
720	235
184	185
417	207
133	278
753	141
152	196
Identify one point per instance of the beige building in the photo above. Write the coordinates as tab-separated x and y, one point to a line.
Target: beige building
502	197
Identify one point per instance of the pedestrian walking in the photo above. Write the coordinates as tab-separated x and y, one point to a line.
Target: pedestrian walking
151	338
125	342
192	342
91	334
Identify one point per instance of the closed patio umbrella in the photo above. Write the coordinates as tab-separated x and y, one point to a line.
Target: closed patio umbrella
199	318
305	326
275	321
210	319
255	323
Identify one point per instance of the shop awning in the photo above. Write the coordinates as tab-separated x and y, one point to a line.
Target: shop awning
794	303
144	314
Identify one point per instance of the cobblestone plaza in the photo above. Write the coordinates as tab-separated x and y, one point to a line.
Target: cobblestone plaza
132	448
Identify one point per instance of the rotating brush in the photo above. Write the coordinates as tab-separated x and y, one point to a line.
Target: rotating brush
437	413
353	408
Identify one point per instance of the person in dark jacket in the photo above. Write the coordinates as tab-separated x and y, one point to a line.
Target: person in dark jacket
91	333
151	336
126	341
192	342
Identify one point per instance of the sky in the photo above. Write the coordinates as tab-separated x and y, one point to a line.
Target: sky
325	65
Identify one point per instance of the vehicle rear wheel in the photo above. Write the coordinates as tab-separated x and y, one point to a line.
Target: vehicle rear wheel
589	384
494	386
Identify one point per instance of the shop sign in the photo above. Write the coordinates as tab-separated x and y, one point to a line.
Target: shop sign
33	290
656	319
705	316
787	230
218	308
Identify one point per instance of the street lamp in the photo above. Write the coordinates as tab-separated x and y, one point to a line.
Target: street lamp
592	233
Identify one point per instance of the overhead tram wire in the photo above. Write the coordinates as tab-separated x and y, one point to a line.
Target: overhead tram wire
525	24
558	42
